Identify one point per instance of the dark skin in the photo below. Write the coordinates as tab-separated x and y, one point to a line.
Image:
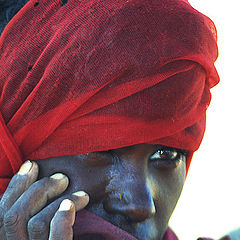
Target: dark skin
135	188
126	188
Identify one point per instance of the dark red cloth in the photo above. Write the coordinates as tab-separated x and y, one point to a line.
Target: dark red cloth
88	226
96	75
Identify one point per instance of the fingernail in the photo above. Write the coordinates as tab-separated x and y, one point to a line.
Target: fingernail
65	205
58	176
80	194
25	168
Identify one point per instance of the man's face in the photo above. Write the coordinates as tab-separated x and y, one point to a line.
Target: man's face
135	188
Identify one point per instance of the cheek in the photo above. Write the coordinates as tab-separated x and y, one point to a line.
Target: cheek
92	180
168	188
177	180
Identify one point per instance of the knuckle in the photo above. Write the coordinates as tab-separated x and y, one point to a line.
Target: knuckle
37	228
11	220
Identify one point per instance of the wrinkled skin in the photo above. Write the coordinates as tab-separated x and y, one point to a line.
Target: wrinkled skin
135	188
126	188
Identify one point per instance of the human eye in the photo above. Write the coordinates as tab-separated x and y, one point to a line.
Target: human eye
166	157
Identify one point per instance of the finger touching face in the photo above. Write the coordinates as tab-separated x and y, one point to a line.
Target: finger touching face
135	188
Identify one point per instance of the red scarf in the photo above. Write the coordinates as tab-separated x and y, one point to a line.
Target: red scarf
96	75
88	226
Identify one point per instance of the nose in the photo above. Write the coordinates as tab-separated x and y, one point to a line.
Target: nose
134	202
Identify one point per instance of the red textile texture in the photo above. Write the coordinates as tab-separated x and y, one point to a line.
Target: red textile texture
88	226
96	75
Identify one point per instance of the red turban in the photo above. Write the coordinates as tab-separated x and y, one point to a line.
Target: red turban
84	76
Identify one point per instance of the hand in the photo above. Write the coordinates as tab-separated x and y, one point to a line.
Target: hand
24	213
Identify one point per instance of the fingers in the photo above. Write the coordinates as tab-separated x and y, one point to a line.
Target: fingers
21	216
19	183
62	222
38	226
30	202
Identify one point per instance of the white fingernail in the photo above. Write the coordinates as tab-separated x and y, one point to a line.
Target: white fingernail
58	176
80	194
65	205
25	168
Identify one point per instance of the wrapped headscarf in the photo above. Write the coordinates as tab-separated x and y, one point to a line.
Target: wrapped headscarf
83	76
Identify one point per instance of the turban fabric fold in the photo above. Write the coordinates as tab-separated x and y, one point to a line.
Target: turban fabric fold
83	76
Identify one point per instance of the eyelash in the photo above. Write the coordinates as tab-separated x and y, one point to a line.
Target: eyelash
159	161
162	157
